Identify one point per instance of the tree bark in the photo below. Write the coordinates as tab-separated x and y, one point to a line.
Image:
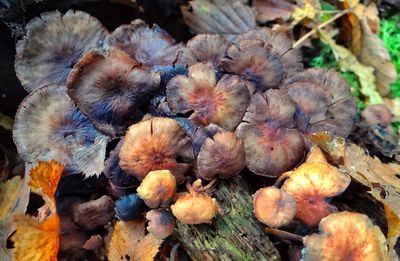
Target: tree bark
235	234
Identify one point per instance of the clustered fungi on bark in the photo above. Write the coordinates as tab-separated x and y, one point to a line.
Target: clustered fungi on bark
205	109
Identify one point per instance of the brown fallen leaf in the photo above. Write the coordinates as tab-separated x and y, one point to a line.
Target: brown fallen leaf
351	30
129	242
269	10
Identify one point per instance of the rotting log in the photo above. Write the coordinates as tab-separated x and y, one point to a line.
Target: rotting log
235	234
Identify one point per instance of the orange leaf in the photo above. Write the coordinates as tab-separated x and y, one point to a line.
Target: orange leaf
129	242
34	240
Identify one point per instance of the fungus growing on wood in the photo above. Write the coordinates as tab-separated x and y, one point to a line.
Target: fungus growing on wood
346	236
53	44
223	103
204	48
161	223
220	155
264	58
267	133
323	100
156	144
274	207
312	183
108	86
157	188
48	125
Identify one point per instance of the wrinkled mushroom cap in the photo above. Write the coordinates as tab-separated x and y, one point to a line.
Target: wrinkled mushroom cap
311	184
157	188
346	236
223	102
48	126
221	155
156	144
271	145
109	87
204	48
161	223
149	46
323	100
274	207
53	44
195	208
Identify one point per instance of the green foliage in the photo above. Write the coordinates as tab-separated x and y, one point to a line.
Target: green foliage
327	60
390	34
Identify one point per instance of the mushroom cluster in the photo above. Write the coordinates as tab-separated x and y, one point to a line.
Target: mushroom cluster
194	112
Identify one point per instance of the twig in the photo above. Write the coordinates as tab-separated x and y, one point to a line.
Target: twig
283	234
314	30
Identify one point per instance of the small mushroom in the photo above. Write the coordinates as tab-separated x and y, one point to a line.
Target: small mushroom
53	44
221	155
204	48
48	126
223	103
323	100
271	143
274	207
161	223
129	207
312	183
377	114
264	58
156	144
346	236
108	86
195	208
149	46
157	188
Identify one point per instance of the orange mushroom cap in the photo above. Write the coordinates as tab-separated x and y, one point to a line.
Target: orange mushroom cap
274	207
156	144
311	184
223	103
346	236
157	188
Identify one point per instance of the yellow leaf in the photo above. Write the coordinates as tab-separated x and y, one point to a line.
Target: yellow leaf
306	11
129	242
44	179
348	62
35	241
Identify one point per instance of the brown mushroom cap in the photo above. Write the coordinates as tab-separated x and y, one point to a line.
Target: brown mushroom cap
53	44
156	144
274	207
272	146
311	184
149	46
323	100
204	48
346	236
109	87
223	102
48	126
221	156
161	223
377	114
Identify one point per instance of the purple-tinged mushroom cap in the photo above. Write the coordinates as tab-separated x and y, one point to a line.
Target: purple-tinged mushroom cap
323	100
109	87
48	126
149	46
53	44
223	103
272	146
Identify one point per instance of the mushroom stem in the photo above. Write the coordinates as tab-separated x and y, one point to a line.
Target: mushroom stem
190	188
283	234
210	185
281	178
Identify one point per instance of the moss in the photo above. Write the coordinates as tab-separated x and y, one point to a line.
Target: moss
390	34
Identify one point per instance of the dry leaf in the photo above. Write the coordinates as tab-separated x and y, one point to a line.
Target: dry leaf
351	29
393	226
348	62
44	179
394	105
14	198
226	17
129	242
307	10
370	13
268	10
35	241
